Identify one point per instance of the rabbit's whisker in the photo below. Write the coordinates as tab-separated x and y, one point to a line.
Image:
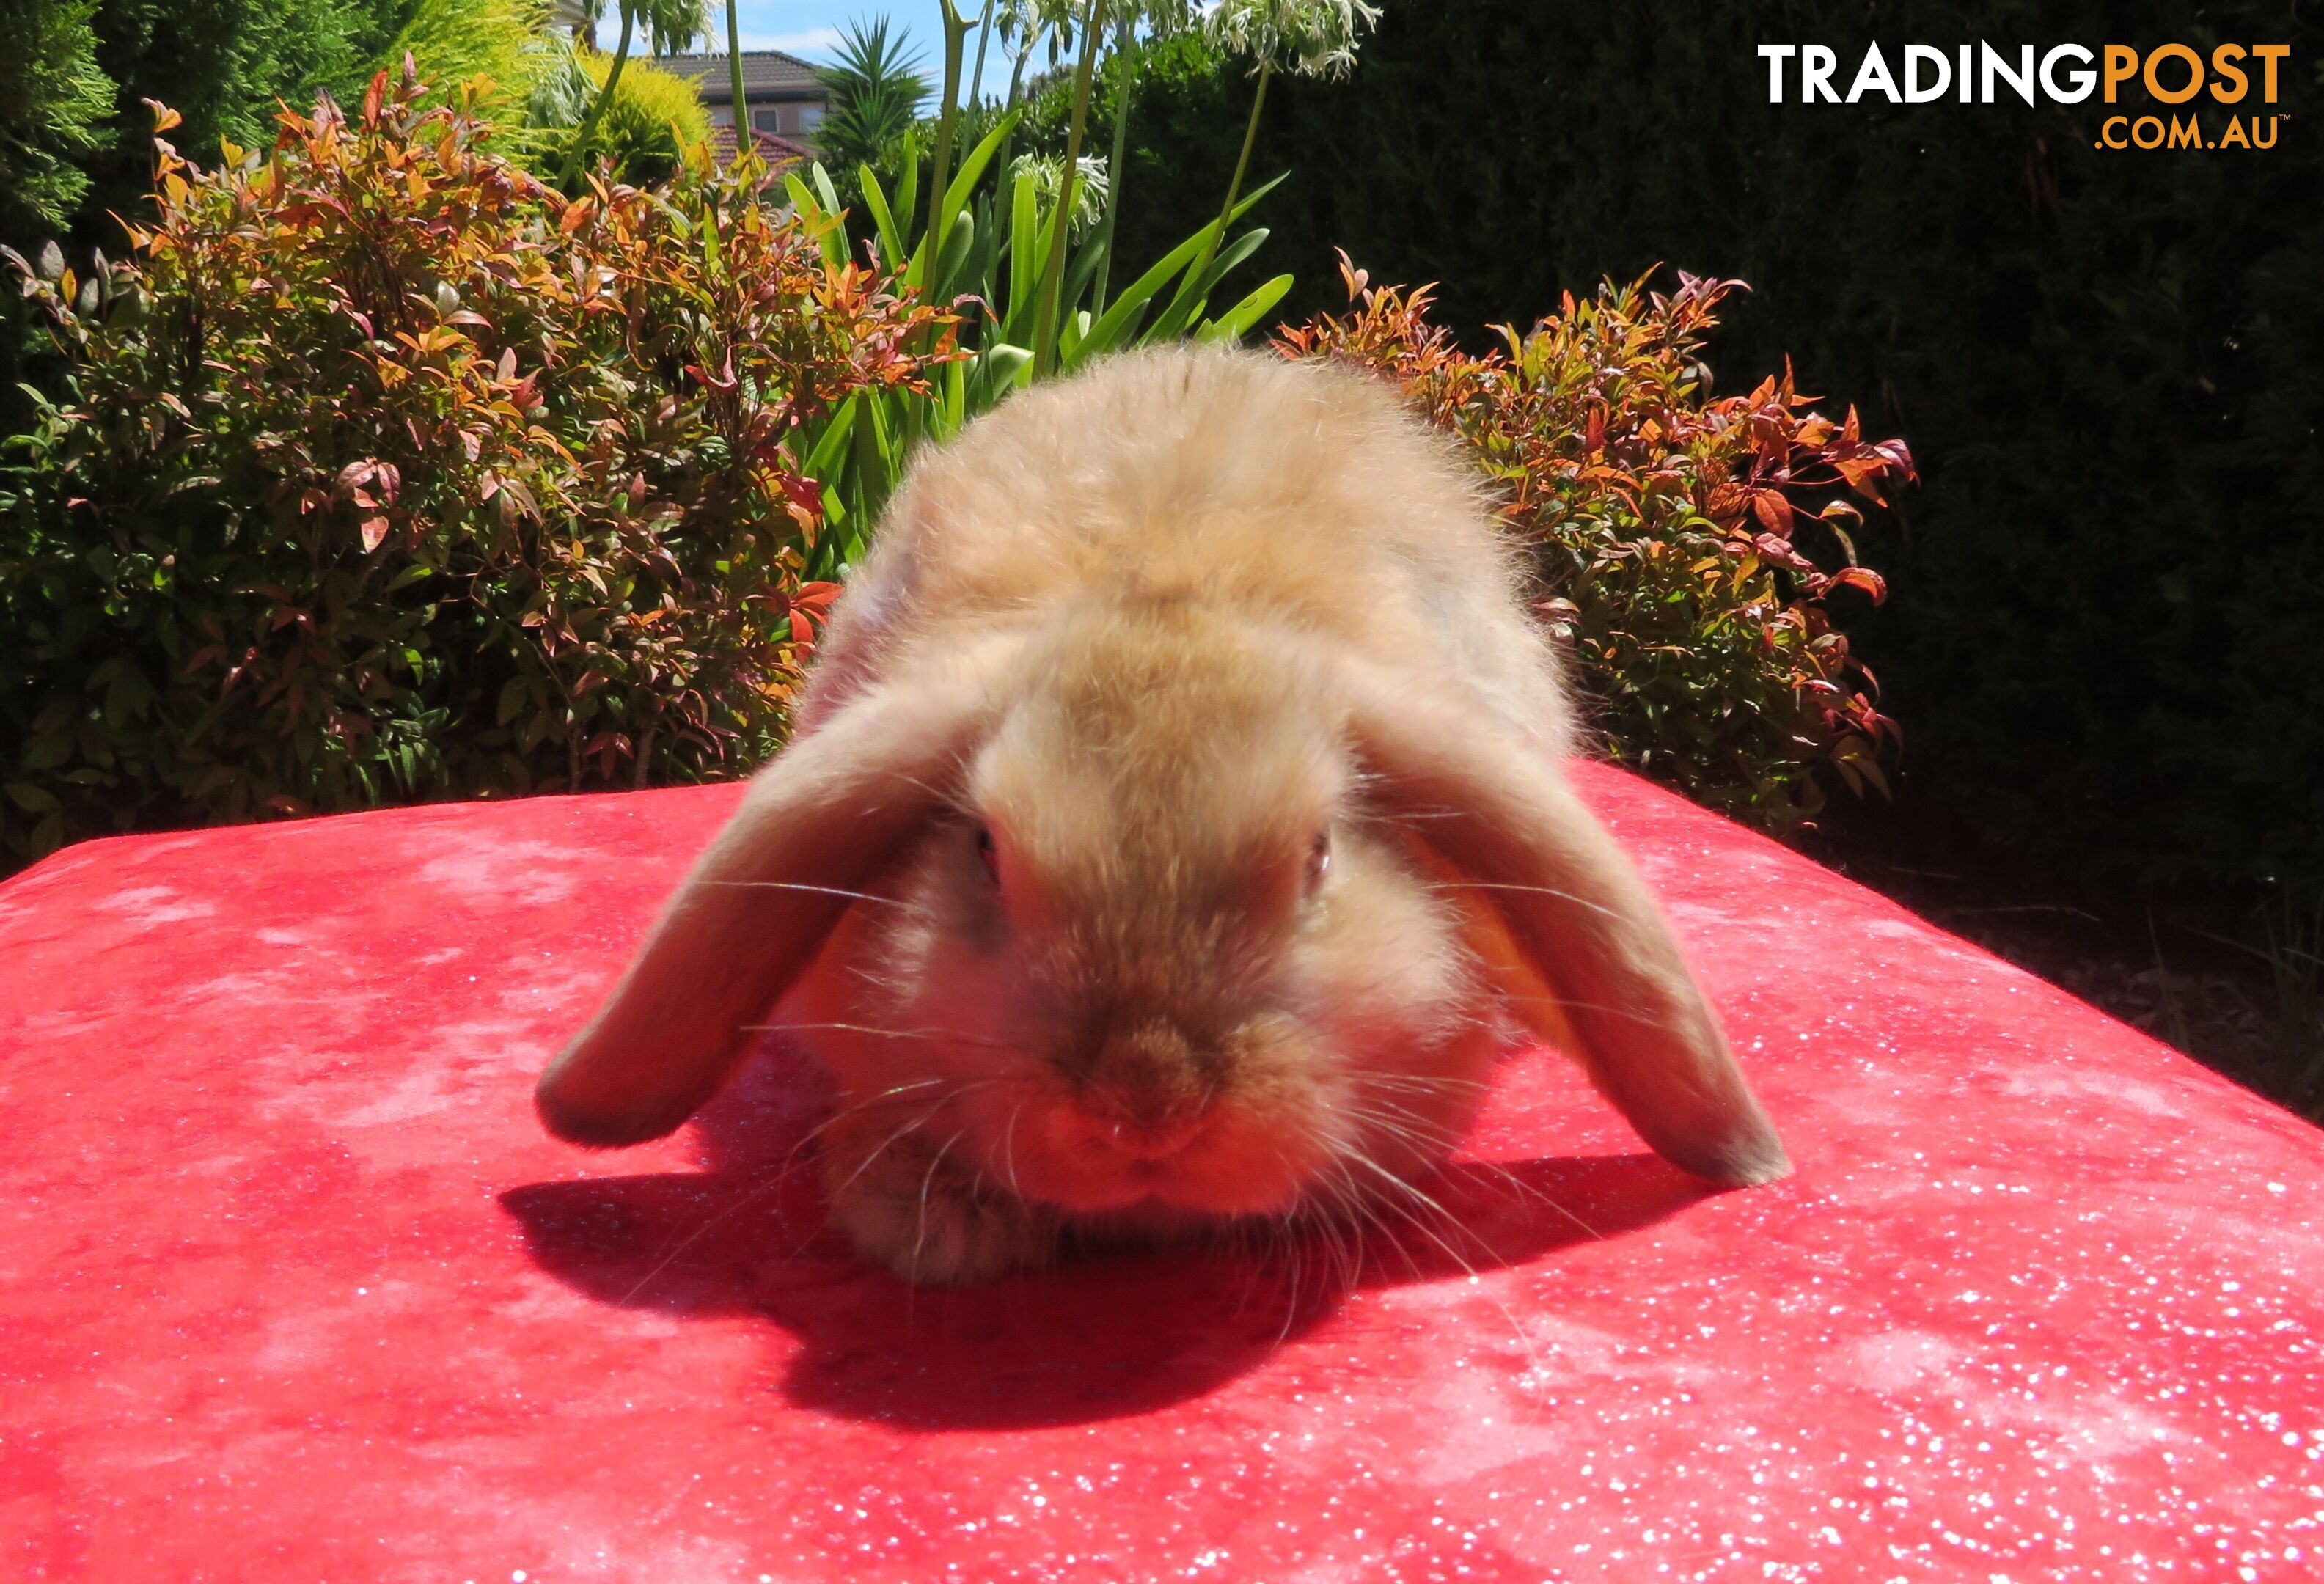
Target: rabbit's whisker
854	1109
914	1126
1566	1003
951	1036
1009	1147
1421	1081
928	1186
1470	885
1348	1198
1404	1191
770	1185
1346	1252
664	1262
802	885
1409	1193
1404	1122
1433	1141
1525	1191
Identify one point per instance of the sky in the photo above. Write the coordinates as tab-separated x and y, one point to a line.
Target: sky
810	28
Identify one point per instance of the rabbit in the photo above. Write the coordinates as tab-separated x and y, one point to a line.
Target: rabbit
1172	834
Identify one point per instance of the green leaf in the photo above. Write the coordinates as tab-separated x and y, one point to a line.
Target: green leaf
830	236
1188	302
1236	323
830	447
1191	302
31	799
962	183
875	197
908	184
1023	253
958	241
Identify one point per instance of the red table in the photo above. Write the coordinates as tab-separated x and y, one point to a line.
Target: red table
293	1288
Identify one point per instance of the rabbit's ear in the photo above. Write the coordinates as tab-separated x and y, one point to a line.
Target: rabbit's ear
1581	923
817	825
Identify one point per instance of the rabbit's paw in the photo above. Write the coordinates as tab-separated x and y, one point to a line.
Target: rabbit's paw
905	1203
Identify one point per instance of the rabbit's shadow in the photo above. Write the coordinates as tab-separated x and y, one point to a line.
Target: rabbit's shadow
1099	1336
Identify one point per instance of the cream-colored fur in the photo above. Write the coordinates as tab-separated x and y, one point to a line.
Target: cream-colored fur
1174	834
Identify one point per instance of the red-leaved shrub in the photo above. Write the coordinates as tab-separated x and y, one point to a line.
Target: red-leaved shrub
380	471
1663	522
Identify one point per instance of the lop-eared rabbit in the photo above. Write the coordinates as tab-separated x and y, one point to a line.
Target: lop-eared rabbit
1173	833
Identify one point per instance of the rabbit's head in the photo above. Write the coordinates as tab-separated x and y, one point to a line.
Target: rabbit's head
1160	942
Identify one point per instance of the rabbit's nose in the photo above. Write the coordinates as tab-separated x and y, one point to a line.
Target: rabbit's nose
1147	1130
1146	1096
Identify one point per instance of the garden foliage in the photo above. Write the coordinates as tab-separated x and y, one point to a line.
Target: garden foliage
989	259
383	471
224	65
54	104
1664	526
537	87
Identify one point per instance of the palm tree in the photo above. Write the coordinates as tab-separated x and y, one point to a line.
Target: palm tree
876	89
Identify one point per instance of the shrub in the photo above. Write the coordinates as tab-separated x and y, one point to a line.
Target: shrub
225	65
876	85
1663	524
657	118
54	101
458	41
383	471
537	86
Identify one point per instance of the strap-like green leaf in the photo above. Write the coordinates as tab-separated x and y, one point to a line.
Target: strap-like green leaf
956	195
1235	322
1120	318
958	240
1024	248
875	199
830	236
1187	303
823	457
907	187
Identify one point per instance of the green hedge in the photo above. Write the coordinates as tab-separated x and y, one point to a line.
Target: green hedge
2107	636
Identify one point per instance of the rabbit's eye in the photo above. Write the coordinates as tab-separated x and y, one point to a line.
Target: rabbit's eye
1319	860
988	854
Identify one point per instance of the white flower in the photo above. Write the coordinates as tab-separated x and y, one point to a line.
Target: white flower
1314	38
1048	171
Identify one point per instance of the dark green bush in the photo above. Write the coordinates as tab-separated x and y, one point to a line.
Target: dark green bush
383	472
53	103
224	65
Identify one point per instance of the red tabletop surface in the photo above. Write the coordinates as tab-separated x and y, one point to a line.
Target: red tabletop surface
292	1286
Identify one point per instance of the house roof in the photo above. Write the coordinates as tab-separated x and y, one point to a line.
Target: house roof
768	73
